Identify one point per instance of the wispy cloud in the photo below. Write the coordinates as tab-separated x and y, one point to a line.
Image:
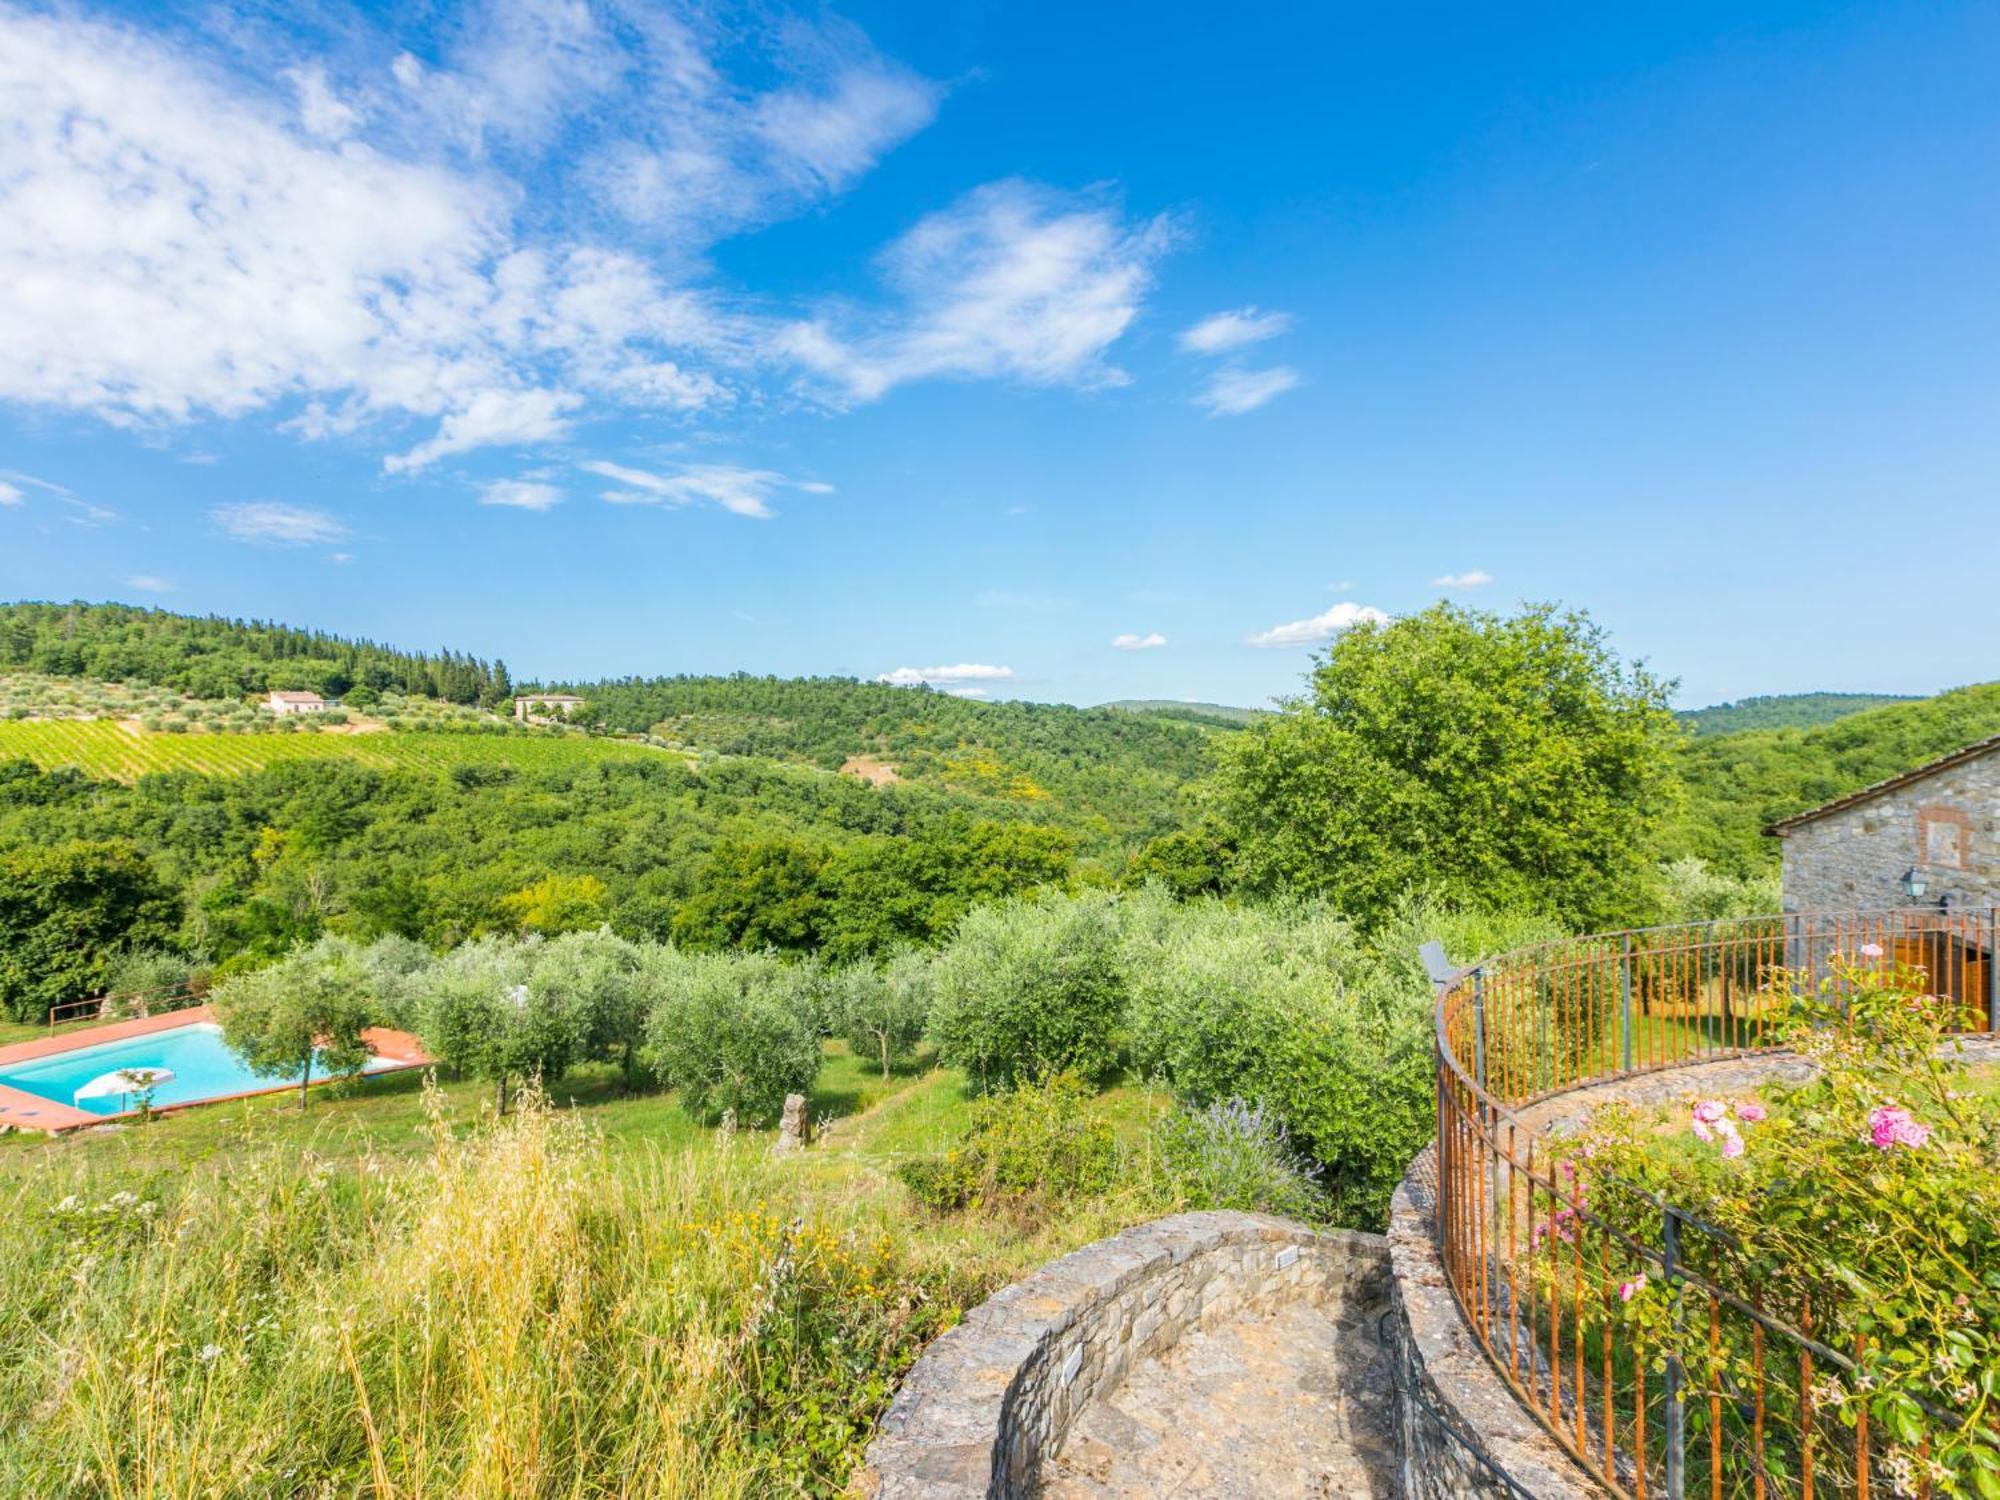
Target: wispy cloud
503	239
272	523
10	494
1320	627
1476	578
963	672
490	417
1014	281
149	583
521	494
1152	640
742	491
1232	392
1016	599
1219	333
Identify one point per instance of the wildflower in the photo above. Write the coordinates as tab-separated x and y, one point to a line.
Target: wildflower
1633	1288
1732	1147
1871	950
210	1353
1752	1113
69	1205
1891	1125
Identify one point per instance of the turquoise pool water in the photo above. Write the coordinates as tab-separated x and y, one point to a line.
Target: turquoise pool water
202	1066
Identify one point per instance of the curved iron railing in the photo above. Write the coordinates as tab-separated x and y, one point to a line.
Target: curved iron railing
1535	1268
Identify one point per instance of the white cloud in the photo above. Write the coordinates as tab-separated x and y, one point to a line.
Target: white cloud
964	672
148	583
1017	599
340	557
967	692
521	494
1232	392
9	494
1476	578
743	491
18	479
276	524
1152	640
321	111
490	417
83	513
1013	281
1321	627
1221	332
185	234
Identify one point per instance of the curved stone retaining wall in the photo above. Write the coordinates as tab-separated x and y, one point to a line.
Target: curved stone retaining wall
993	1398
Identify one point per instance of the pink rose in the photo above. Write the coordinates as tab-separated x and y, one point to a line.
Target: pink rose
1630	1289
1751	1113
1871	950
1891	1125
1733	1147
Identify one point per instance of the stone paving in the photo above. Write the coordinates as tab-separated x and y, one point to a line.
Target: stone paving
1296	1403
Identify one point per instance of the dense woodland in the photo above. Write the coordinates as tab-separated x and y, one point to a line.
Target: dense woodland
1553	781
1782	711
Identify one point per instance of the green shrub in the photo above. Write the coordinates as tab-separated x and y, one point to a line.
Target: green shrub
1287	1007
1043	1139
1236	1155
731	1032
1032	987
139	976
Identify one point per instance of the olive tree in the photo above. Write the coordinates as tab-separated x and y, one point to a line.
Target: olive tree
882	1010
732	1032
309	1008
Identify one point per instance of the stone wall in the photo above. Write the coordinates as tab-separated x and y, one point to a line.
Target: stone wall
993	1398
1462	1432
1946	824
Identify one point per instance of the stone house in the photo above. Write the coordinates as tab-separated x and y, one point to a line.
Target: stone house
1926	844
286	704
540	708
1936	827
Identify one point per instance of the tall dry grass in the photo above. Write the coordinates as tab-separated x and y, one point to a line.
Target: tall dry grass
519	1313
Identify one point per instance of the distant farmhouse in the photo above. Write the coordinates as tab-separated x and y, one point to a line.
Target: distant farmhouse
284	705
545	708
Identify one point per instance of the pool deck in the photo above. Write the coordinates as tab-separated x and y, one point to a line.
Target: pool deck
20	1110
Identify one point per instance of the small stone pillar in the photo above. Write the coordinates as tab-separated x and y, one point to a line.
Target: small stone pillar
795	1129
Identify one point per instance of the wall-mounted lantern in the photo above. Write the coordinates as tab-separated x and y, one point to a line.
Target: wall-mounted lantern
1914	884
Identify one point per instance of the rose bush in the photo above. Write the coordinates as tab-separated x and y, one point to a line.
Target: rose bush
1862	1205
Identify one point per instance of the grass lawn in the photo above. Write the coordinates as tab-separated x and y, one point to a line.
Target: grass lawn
390	1293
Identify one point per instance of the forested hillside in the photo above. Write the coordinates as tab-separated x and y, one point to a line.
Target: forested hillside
823	816
1738	784
1194	713
1115	764
210	657
1782	711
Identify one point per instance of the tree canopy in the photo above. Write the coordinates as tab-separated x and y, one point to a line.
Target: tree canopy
1502	762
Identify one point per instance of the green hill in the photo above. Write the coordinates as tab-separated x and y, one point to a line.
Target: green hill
1738	784
822	815
1783	711
1194	713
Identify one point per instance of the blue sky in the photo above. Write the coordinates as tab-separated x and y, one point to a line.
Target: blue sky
1056	351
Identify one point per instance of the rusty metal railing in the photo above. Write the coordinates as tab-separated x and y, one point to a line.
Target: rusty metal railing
125	1004
1537	1270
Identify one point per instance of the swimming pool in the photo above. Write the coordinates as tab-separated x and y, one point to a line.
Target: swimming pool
203	1068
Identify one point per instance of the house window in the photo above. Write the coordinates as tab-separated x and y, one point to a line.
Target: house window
1942	836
